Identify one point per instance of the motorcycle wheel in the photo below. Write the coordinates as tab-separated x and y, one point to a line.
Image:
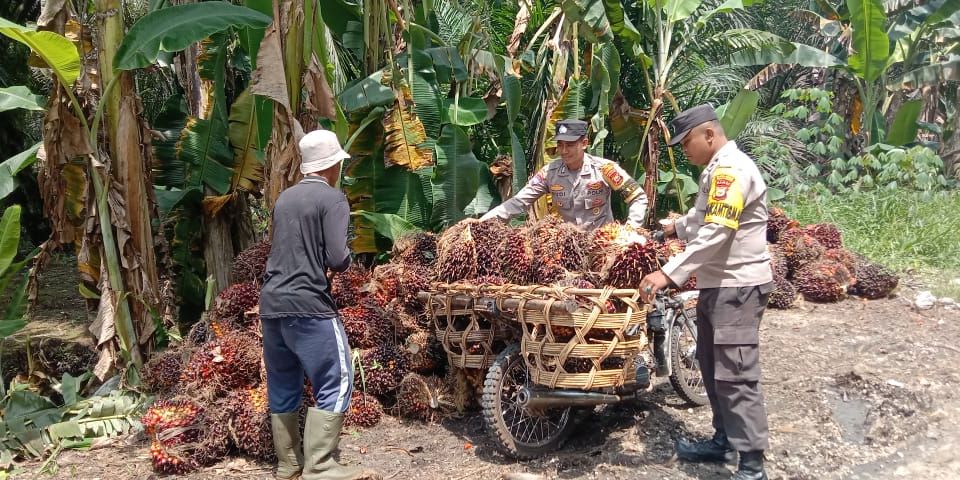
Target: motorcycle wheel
686	377
520	433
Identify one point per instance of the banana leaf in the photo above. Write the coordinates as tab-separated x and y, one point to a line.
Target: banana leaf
871	44
245	140
57	51
387	224
20	97
904	128
13	165
735	115
405	135
177	27
456	177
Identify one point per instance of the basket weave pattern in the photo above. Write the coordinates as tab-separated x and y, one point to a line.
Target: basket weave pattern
469	339
586	349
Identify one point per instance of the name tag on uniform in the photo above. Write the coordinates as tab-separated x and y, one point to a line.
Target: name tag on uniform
556	188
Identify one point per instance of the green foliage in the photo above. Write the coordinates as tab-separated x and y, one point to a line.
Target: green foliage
177	27
13	314
890	169
33	425
901	229
819	130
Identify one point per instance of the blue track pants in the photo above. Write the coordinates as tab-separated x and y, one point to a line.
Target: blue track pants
311	345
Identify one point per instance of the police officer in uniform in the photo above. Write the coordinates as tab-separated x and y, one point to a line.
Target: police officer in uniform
579	183
726	247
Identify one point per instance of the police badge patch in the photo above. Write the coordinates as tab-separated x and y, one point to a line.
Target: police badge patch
612	175
725	202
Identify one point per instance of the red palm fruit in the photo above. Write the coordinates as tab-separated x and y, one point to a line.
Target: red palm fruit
823	281
365	411
233	301
250	264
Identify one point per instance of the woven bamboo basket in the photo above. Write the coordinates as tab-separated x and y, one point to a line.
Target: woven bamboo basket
588	349
470	340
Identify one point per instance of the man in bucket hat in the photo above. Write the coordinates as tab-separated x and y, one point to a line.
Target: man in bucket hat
726	235
302	333
579	183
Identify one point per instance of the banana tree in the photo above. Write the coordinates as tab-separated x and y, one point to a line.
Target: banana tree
656	36
883	54
210	158
69	166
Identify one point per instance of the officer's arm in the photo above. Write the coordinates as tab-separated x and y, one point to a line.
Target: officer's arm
728	190
687	225
632	193
534	189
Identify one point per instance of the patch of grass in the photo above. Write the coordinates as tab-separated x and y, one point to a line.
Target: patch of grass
903	230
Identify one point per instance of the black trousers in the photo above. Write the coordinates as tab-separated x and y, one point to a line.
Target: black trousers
728	348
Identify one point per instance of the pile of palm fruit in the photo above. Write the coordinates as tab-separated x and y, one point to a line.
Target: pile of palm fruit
811	262
211	388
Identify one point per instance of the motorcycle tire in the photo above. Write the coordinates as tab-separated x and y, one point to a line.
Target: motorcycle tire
686	377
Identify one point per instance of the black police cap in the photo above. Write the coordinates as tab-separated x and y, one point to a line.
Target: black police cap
688	119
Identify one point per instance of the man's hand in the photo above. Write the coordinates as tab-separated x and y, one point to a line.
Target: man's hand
651	284
669	229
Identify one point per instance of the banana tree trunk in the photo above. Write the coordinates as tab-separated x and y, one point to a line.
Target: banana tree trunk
127	137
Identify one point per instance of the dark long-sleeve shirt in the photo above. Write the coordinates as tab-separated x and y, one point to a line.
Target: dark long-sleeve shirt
309	236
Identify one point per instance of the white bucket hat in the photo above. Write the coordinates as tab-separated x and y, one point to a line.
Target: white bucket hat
320	150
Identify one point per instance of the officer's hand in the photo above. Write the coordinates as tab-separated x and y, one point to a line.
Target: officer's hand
651	284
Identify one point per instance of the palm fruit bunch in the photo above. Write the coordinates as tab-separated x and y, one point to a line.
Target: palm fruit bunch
873	280
488	236
225	363
421	398
690	284
251	264
490	280
350	286
516	256
234	300
199	333
823	281
778	223
365	411
366	325
402	282
162	372
424	353
844	257
177	413
213	442
778	261
601	240
250	422
170	459
826	233
800	248
558	248
783	295
416	249
457	252
465	389
670	247
383	368
629	258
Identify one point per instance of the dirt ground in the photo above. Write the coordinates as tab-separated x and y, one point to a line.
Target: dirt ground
855	390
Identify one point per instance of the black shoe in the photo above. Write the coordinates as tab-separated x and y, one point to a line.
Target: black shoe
717	449
751	467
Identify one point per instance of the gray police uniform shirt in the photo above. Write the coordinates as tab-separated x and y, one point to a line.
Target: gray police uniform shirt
726	231
581	198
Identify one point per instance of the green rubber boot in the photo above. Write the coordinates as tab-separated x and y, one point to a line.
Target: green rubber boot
321	438
287	444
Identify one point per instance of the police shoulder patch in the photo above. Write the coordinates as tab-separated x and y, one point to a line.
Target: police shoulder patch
612	175
725	200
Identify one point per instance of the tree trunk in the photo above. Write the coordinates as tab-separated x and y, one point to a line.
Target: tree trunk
951	149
